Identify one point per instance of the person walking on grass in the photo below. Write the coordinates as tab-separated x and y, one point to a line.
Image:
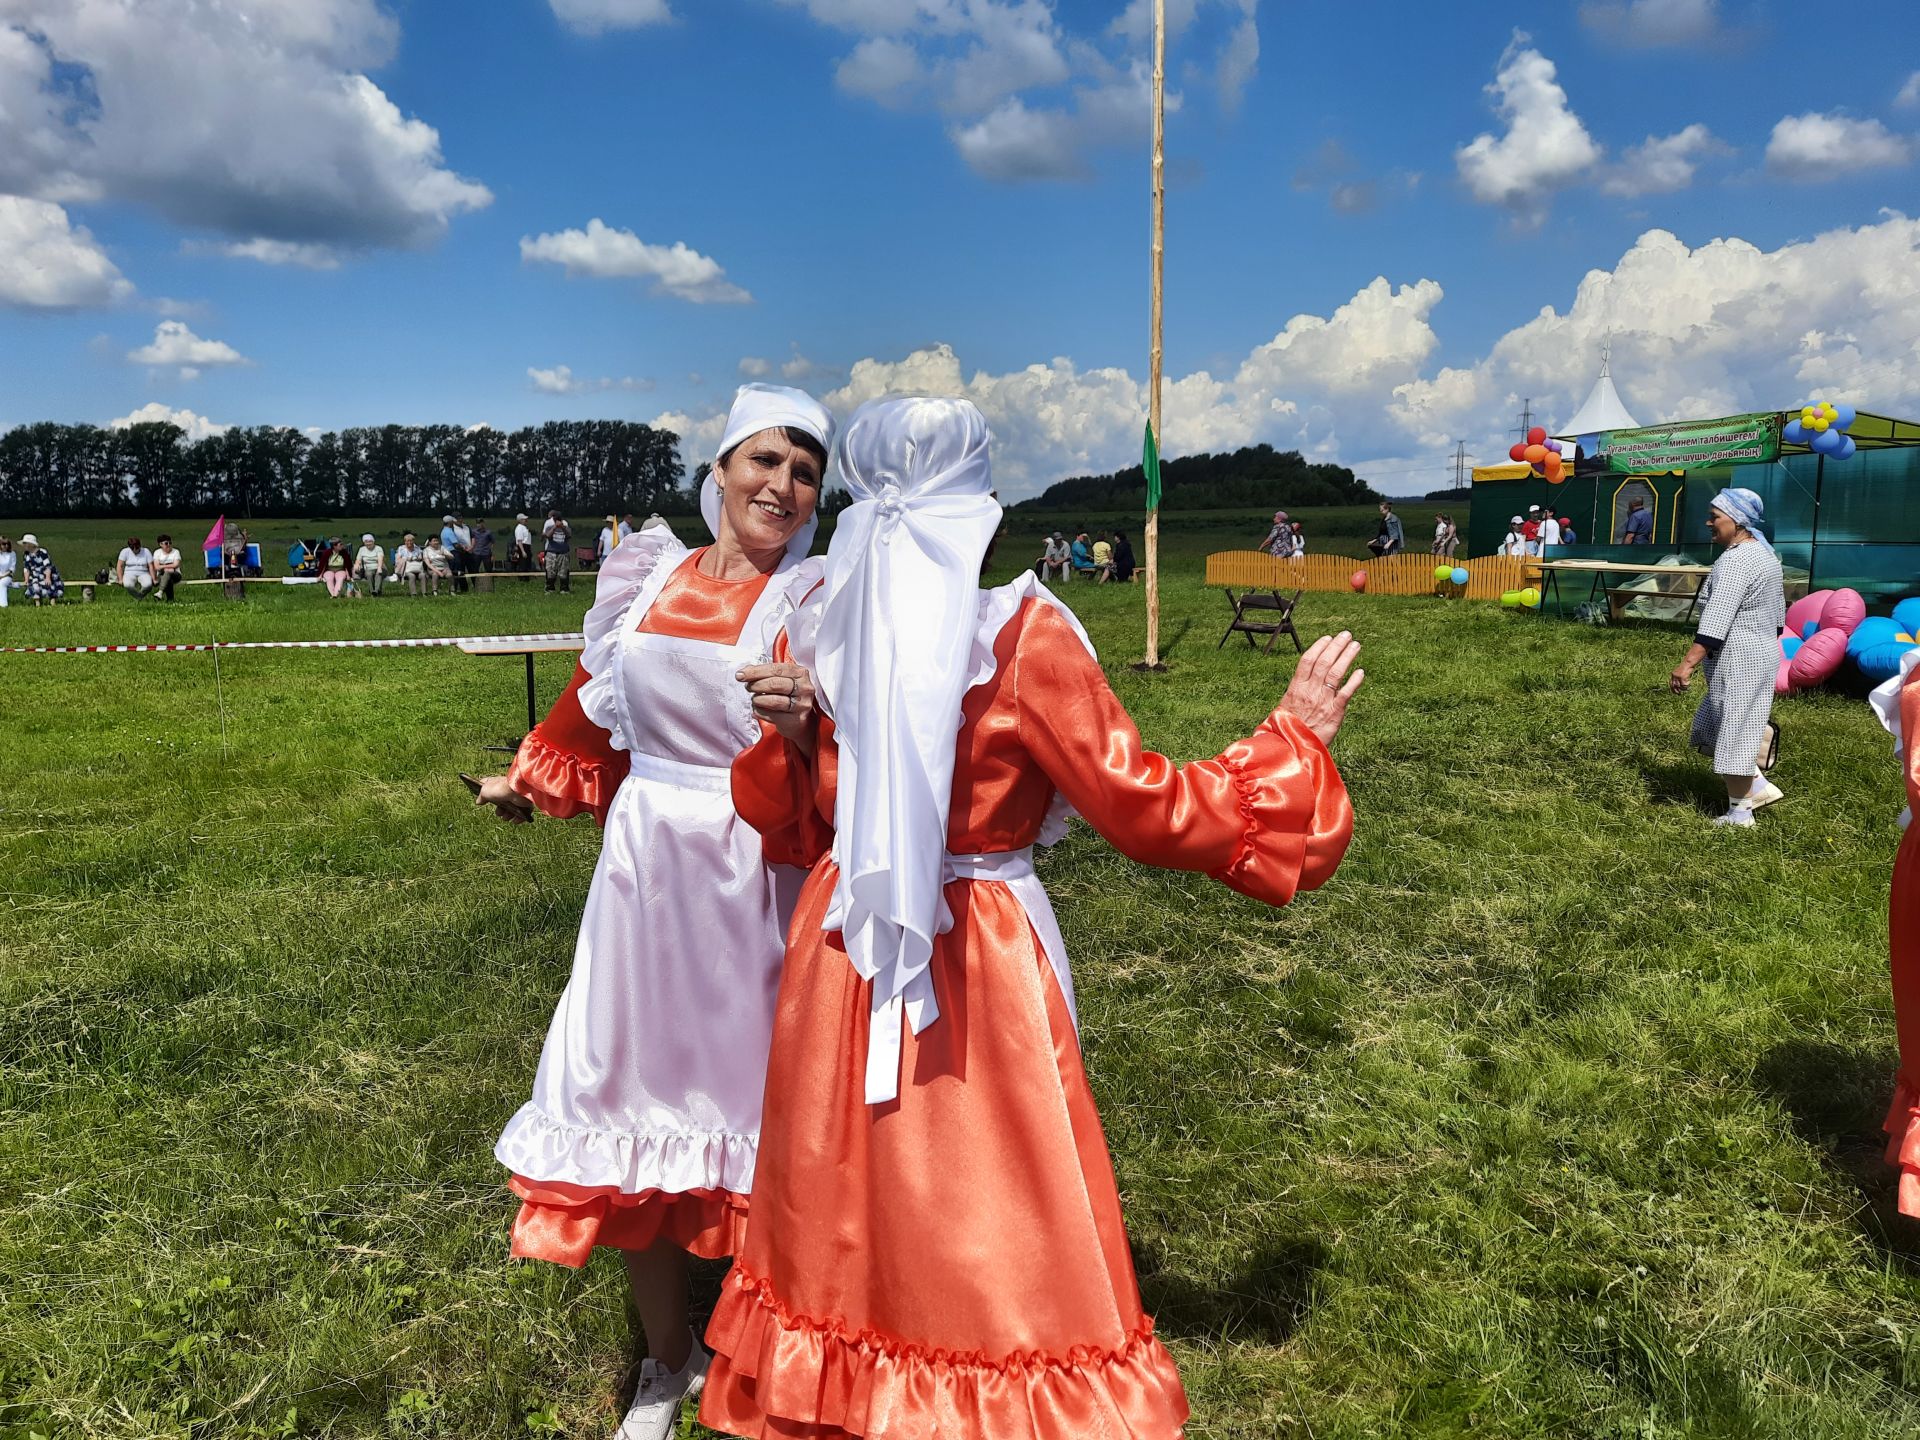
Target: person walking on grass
44	585
9	569
558	557
1742	607
644	1122
369	567
1279	541
1392	536
1446	537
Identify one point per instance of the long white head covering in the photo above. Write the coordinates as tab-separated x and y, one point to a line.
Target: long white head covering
897	616
768	407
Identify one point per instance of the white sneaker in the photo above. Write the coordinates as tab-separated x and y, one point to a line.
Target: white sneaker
655	1412
1740	817
1764	793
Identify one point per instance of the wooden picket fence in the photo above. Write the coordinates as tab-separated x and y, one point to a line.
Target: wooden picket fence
1488	577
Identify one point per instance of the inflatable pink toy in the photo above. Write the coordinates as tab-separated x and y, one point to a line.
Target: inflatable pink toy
1812	661
1841	610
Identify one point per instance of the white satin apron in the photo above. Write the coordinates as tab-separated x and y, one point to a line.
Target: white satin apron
654	1068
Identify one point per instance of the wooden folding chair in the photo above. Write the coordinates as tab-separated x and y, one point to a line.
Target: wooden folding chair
1271	603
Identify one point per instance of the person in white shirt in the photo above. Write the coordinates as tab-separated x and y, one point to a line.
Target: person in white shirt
9	568
134	568
1516	542
610	538
166	567
410	564
626	526
520	553
1549	530
1054	559
369	567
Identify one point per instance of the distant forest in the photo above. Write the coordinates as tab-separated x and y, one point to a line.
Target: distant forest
1256	476
576	466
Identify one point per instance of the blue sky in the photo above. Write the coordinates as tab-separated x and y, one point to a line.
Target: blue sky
238	212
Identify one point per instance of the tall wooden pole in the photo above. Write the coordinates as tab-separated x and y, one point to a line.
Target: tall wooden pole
1153	361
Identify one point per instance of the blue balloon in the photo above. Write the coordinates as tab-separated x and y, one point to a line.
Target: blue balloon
1875	630
1459	575
1847	447
1794	433
1882	661
1845	417
1827	441
1906	615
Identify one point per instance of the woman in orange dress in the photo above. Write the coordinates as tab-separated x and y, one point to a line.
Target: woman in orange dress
642	1128
937	1249
1897	703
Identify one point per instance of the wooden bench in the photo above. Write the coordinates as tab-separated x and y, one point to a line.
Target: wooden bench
1270	602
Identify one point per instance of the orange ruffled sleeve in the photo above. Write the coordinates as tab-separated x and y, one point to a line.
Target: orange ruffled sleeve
568	765
1269	816
1903	957
775	790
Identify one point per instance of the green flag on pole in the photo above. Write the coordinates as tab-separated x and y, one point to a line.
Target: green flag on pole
1150	462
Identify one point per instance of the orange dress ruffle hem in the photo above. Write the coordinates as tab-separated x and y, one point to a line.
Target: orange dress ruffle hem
1903	959
954	1265
562	1222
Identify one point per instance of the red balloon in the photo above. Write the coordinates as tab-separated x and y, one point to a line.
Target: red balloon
1358	580
1535	454
1519	450
1537	435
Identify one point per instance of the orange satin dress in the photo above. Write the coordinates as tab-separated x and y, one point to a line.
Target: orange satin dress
567	767
953	1265
1903	956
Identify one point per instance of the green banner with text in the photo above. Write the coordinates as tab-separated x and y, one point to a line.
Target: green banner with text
1692	444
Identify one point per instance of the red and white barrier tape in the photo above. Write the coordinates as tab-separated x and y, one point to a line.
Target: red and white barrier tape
431	641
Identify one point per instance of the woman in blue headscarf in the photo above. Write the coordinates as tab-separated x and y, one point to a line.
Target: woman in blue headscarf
1742	607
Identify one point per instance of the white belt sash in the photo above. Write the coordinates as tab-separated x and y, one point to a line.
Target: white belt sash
918	1009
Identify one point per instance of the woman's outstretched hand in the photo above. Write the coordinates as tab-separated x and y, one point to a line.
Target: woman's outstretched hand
1322	687
783	697
508	803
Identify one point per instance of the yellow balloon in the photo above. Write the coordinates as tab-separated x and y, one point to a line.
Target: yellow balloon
1819	423
1806	414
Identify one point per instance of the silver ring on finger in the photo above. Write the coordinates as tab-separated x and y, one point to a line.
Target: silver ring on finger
1332	686
789	700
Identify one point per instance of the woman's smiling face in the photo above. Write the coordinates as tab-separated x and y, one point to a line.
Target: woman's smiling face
769	486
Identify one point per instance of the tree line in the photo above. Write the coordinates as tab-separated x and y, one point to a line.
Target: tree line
576	466
1253	476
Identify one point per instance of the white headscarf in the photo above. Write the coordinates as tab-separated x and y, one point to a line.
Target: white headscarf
897	615
768	407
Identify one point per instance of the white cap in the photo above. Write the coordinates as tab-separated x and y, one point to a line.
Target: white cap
366	539
29	540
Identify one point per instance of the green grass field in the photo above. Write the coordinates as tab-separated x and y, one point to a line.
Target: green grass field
1555	1114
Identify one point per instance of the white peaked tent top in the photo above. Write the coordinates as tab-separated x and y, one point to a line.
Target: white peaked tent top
1603	410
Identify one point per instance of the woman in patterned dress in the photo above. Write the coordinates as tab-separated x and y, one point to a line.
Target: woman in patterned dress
644	1122
937	1250
1742	607
44	585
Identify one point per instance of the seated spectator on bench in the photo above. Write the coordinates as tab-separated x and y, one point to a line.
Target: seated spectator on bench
134	568
1103	559
166	567
1082	556
1123	566
1055	558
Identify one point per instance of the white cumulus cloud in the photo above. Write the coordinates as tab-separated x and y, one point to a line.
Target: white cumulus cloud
197	427
283	252
49	263
1662	164
173	344
1815	146
1909	96
604	253
754	367
1545	147
254	121
591	17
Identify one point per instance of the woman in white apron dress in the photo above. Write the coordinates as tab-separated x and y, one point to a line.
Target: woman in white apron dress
643	1127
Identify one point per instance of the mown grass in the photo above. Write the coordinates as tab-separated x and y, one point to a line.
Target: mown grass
1554	1114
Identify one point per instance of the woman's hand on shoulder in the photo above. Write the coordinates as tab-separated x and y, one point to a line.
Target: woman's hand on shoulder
783	696
1321	687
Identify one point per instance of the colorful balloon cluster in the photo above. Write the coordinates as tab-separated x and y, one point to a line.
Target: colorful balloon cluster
1448	579
1822	428
1543	457
1527	599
